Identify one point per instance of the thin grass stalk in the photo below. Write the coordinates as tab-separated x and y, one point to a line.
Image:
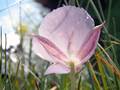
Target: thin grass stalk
71	2
20	25
5	62
79	83
1	50
95	8
64	82
103	75
88	3
109	12
114	56
99	17
17	70
113	67
90	79
9	75
9	66
107	55
5	56
94	76
114	26
30	52
78	3
66	3
59	3
116	82
110	66
101	11
10	83
113	47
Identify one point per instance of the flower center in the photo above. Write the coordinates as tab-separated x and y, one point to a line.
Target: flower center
73	61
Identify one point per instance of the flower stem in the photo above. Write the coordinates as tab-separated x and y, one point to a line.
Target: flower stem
73	81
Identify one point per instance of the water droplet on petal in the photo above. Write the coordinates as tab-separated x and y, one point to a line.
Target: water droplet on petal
89	21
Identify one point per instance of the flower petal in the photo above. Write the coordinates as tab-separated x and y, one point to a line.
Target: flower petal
88	48
39	50
57	69
46	48
67	27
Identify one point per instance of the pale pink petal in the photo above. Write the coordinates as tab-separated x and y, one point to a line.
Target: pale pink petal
39	50
67	27
47	49
88	48
57	69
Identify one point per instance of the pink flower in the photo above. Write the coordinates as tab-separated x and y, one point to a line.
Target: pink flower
67	35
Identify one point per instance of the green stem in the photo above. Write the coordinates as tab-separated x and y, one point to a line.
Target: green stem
73	81
72	77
